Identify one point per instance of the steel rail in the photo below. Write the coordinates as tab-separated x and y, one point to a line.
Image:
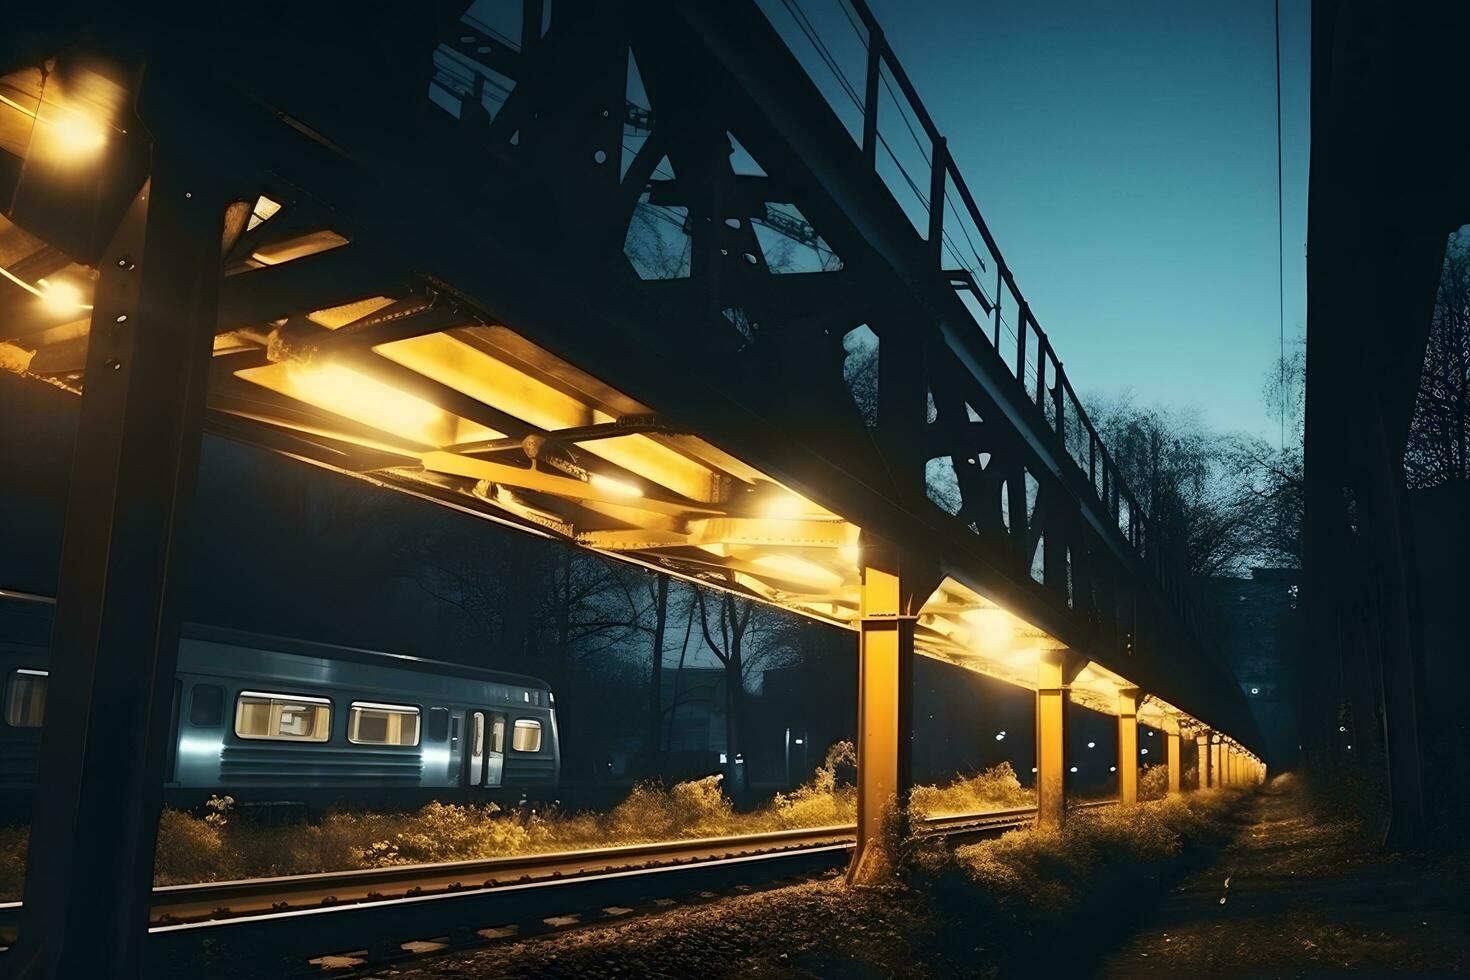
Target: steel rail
263	898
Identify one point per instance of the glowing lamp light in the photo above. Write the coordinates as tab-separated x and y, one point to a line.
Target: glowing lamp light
60	296
1092	745
994	629
1112	768
1143	751
1033	768
1073	769
782	506
346	392
1342	728
799	741
618	488
76	134
1255	690
1000	736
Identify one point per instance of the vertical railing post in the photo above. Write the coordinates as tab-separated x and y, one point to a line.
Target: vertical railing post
939	165
1023	314
1043	353
1092	458
1059	395
999	294
870	97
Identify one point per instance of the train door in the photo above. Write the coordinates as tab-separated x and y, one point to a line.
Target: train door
486	756
495	751
475	754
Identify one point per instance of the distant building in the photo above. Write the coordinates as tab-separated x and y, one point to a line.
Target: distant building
1259	630
694	706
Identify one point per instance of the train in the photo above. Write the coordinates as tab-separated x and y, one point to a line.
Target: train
273	720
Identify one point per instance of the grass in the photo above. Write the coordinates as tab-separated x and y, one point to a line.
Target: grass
222	845
1053	870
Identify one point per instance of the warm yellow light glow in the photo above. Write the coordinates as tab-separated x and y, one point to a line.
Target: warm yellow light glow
71	132
351	394
850	553
60	296
346	392
782	506
994	630
76	134
798	570
616	487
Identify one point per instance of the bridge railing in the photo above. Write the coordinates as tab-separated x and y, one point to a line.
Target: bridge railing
841	45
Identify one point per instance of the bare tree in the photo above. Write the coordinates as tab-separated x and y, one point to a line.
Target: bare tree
1438	449
1176	467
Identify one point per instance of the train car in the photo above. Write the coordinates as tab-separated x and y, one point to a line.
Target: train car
270	719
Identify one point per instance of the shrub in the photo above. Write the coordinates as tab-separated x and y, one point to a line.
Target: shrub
190	849
997	788
13	842
697	808
829	798
1153	782
1050	869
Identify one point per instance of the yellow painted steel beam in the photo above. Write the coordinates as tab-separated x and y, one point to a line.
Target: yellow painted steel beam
1056	670
885	654
1128	746
476	373
353	395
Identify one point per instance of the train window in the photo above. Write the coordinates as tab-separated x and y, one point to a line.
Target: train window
527	735
382	724
438	724
25	699
207	706
285	717
497	734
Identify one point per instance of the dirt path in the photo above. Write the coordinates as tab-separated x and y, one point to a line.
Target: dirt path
1302	894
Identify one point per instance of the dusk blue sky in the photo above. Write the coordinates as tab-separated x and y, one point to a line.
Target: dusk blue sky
1124	154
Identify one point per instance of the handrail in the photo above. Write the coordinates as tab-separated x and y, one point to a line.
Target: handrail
1096	464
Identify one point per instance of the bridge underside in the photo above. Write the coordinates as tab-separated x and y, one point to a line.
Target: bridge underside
626	282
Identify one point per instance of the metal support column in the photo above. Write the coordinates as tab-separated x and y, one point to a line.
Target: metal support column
1128	699
1173	747
1202	759
884	725
115	640
1055	673
1217	759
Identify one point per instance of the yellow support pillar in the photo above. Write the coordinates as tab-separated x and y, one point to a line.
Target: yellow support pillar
1217	758
1128	699
1202	759
1172	749
1055	673
884	726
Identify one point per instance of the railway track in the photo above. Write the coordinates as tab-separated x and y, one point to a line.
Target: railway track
279	925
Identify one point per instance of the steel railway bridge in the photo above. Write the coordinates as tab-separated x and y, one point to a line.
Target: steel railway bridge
671	280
